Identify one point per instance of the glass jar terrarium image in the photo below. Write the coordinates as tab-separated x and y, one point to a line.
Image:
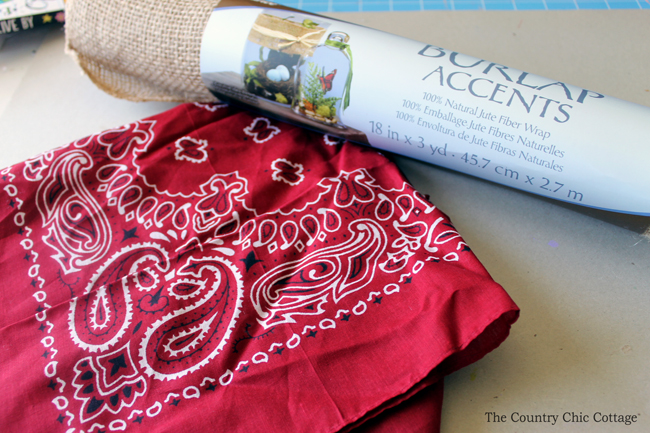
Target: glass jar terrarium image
323	81
273	50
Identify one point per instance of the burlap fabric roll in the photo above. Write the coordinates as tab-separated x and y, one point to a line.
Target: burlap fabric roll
140	50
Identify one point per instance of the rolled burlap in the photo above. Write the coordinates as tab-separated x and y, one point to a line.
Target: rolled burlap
144	50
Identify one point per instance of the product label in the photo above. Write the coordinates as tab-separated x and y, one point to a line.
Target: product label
19	15
432	104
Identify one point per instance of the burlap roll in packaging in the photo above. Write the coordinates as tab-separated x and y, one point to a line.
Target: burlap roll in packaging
149	50
140	50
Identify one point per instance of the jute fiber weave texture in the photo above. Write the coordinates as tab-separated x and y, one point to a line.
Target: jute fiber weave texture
140	50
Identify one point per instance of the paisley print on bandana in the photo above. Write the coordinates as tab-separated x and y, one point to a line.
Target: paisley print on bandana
211	261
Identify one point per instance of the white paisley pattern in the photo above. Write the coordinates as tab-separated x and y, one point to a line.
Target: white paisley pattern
302	287
176	265
77	226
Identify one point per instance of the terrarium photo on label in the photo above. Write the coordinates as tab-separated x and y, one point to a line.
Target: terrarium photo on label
274	48
324	79
286	62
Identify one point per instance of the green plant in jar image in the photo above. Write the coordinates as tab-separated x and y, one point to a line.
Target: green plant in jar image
313	93
324	79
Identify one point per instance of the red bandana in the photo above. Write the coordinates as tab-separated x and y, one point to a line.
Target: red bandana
212	270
